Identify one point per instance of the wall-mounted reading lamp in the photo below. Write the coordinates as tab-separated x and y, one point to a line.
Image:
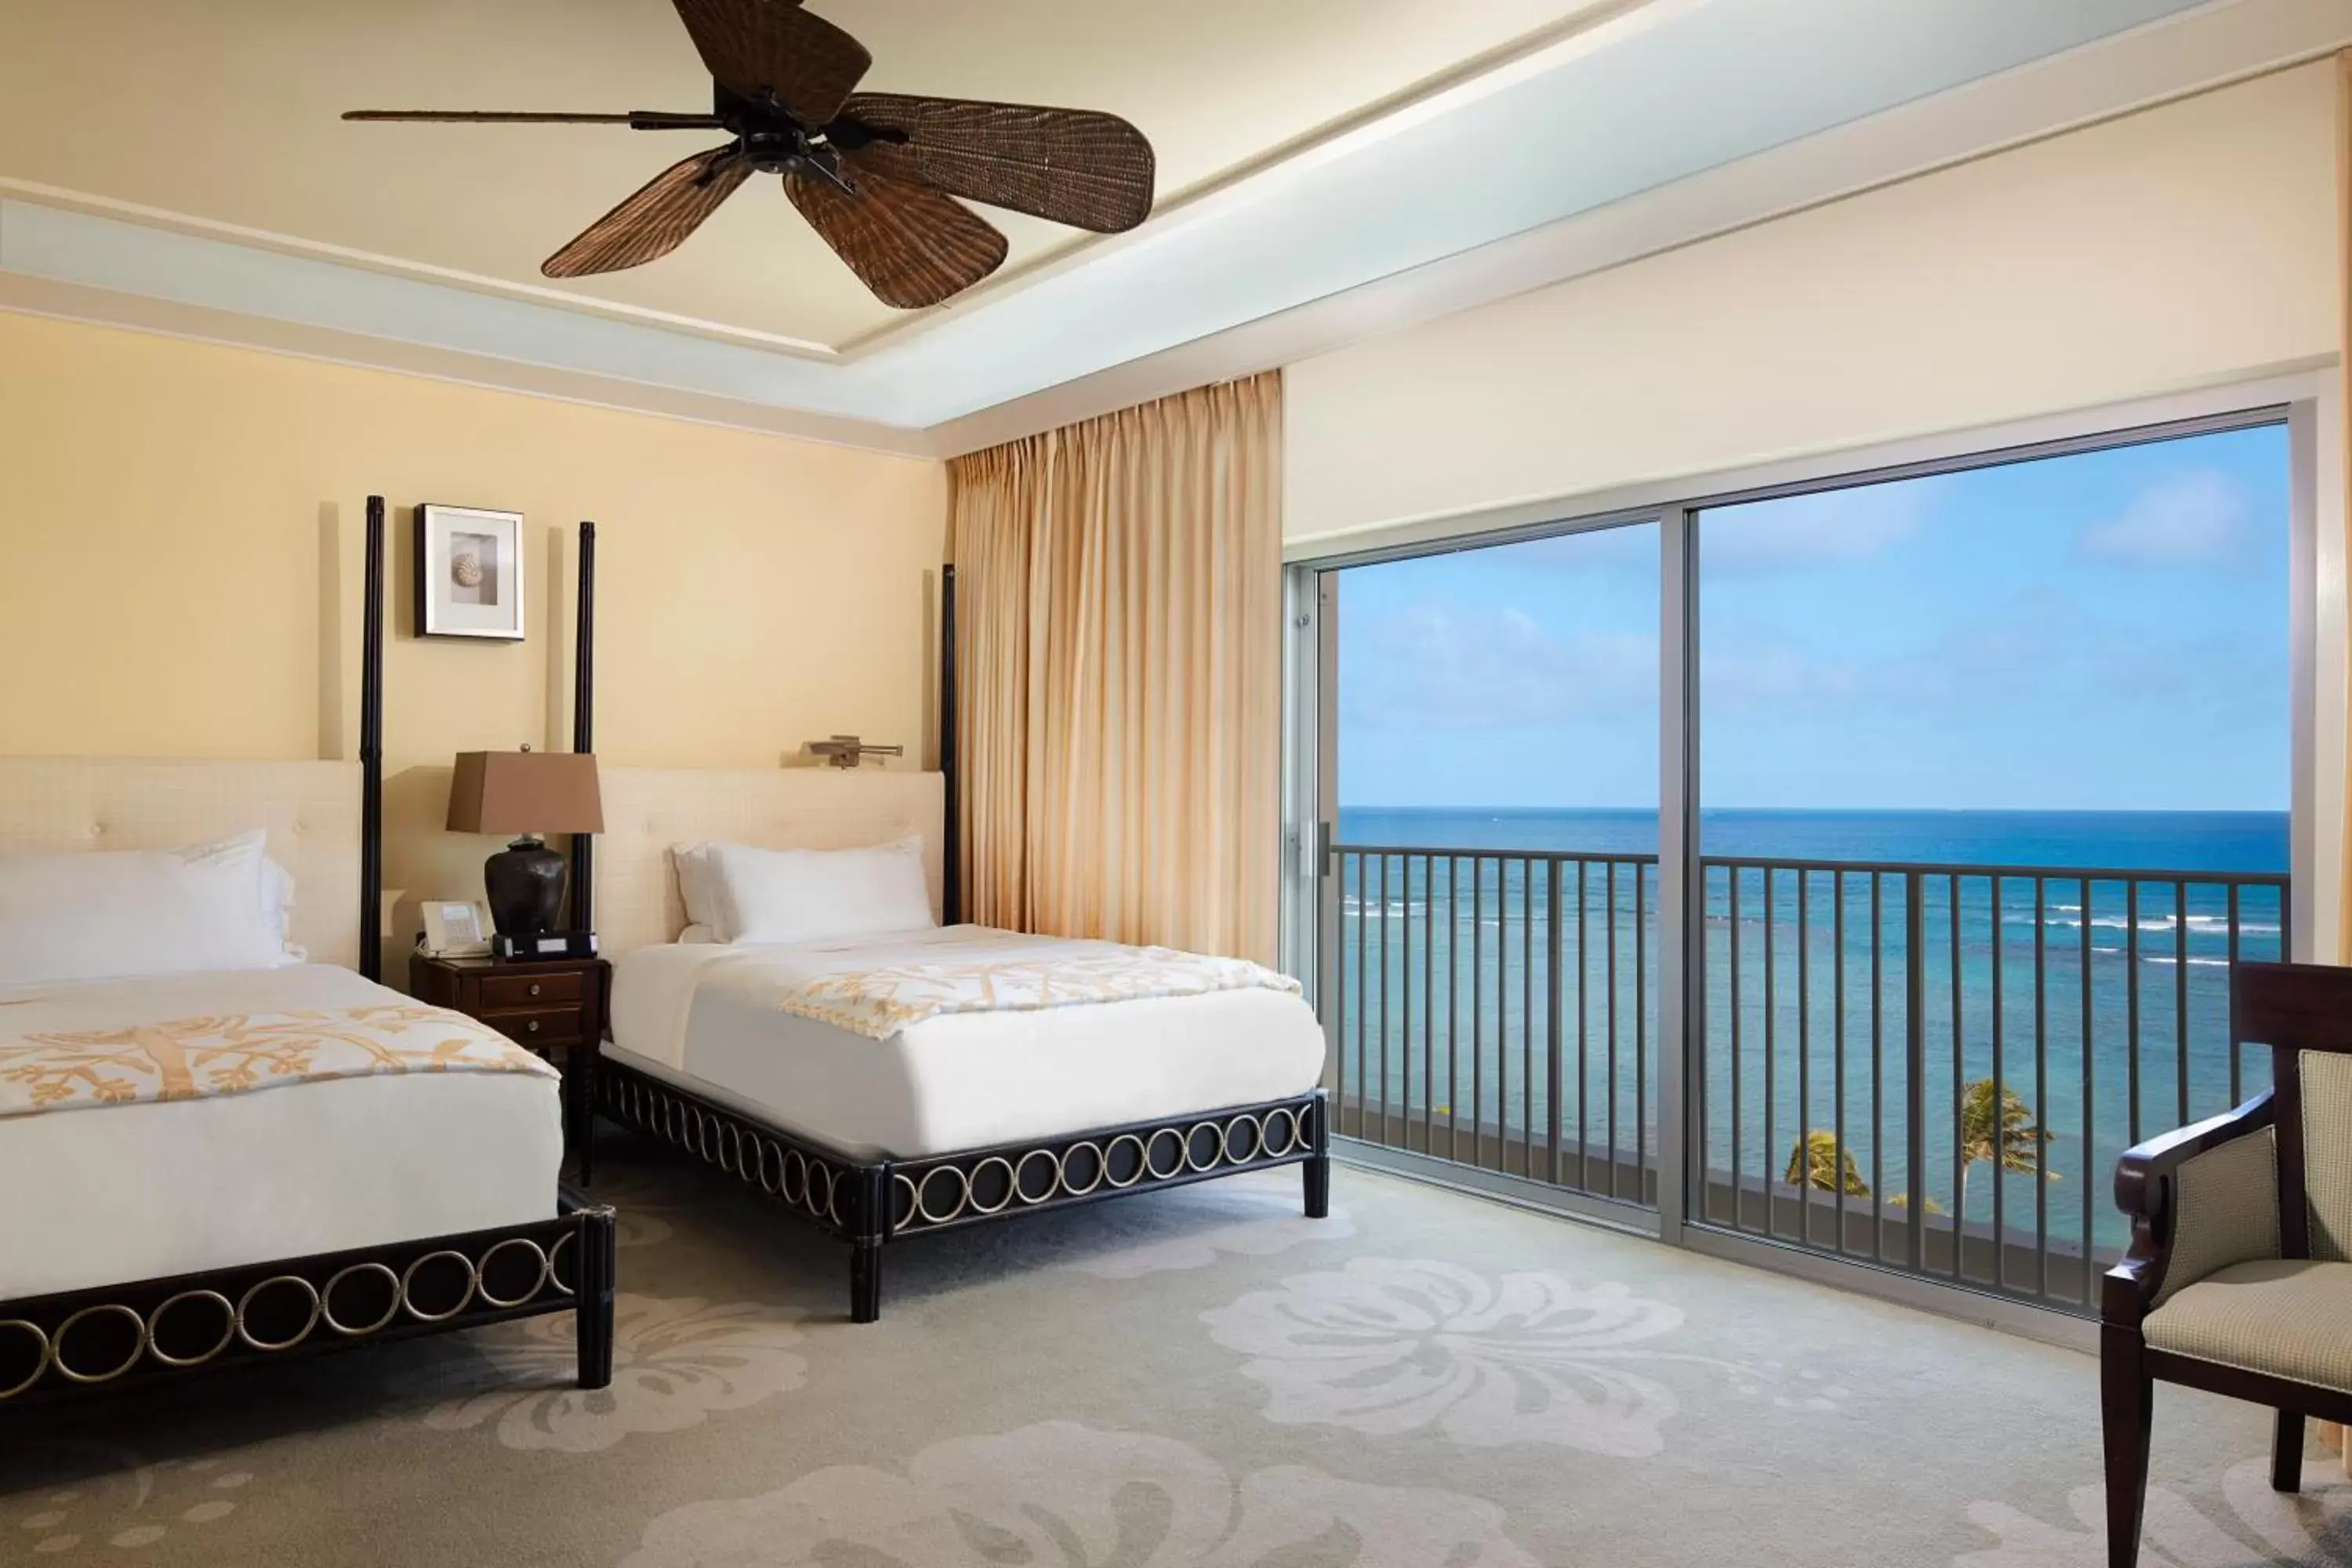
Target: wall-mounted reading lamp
848	750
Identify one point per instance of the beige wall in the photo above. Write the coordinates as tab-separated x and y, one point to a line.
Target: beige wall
2185	246
180	555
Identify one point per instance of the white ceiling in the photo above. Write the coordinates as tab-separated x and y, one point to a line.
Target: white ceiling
1217	85
1332	149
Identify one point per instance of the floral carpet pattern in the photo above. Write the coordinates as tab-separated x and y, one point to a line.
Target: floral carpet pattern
1200	1378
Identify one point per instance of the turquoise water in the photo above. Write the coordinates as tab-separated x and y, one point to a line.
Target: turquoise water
1445	975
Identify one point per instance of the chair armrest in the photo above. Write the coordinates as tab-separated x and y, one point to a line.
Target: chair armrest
2147	1189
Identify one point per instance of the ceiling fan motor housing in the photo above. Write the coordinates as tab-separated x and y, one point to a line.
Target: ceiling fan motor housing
774	142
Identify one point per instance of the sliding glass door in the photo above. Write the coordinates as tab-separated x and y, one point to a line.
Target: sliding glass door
1977	779
1491	878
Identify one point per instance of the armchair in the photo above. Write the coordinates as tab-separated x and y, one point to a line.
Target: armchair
2238	1276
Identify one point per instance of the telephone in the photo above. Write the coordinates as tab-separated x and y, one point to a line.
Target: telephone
455	928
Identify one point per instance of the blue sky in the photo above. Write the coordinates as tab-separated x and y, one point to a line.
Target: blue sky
2101	631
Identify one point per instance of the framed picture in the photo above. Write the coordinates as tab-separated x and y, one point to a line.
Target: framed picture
468	573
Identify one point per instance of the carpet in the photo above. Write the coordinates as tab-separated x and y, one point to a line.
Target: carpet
1194	1379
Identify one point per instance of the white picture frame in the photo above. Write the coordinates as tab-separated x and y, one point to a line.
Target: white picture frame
470	573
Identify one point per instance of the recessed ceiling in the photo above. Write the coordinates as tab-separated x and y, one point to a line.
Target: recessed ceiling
1327	168
225	111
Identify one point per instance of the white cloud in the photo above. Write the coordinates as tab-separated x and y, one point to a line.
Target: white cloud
1757	673
1437	667
1824	529
2200	517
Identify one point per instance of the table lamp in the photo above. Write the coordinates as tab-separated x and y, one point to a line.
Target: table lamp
527	794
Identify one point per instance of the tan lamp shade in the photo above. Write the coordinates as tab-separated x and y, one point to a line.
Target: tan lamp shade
525	791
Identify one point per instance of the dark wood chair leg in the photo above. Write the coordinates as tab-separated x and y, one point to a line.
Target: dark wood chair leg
865	1280
2126	1408
593	1285
2286	1453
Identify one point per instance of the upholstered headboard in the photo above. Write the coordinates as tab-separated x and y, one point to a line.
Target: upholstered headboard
646	810
311	810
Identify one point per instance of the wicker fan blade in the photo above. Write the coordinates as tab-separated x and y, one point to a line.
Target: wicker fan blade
657	220
912	245
757	46
1072	165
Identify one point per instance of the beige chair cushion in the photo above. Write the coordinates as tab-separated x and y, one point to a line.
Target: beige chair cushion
2225	1211
2327	1152
2286	1317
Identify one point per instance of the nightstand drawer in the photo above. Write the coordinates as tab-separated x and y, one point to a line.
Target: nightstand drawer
530	990
536	1026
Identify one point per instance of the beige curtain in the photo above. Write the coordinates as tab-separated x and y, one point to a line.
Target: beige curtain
1119	596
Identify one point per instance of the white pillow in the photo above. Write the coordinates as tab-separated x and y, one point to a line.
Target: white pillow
112	913
699	890
696	936
273	883
801	895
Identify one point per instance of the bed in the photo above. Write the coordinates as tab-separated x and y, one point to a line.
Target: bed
776	1063
257	1152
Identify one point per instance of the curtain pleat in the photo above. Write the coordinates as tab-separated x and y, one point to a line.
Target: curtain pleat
1120	605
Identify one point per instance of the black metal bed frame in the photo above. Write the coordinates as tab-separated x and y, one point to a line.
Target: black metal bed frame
868	1202
77	1343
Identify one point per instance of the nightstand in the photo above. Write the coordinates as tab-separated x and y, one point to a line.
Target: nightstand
554	1009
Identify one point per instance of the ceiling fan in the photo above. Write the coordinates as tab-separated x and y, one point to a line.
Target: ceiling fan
875	174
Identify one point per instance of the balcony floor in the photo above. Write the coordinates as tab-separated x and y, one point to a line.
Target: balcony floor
1199	1377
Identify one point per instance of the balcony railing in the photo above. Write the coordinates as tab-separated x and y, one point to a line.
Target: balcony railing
1927	1066
1500	1010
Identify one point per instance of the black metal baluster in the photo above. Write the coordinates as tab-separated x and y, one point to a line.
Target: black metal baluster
1641	1035
1915	1071
1959	1090
2237	1058
1771	1065
2000	1093
1478	1009
2040	1092
1805	1055
1453	1008
1583	1060
1429	1005
2131	1009
1530	1016
2180	997
1738	1167
1555	970
1837	960
1877	1072
1363	921
1404	1003
1610	1035
2089	1105
1384	1002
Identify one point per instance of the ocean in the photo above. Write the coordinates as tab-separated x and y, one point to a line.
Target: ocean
1443	1008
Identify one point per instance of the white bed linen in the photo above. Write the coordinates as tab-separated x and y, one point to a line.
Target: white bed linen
100	1195
706	1017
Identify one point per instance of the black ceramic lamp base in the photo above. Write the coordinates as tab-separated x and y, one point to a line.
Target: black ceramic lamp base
525	884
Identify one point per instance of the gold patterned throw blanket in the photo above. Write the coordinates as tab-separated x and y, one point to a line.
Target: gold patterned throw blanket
239	1053
1000	971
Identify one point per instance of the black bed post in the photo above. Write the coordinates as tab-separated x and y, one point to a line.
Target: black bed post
952	843
1317	1170
372	752
872	1229
592	1287
584	724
